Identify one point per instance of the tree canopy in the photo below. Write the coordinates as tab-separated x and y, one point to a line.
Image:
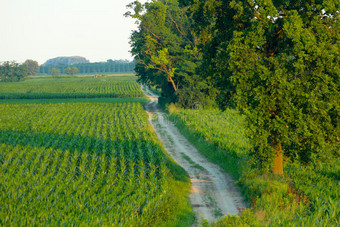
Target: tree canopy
12	72
284	64
165	48
55	72
275	61
71	70
32	67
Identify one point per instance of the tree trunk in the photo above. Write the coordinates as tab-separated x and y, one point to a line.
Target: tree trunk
278	159
173	83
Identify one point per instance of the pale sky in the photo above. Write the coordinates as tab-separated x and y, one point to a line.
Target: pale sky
44	29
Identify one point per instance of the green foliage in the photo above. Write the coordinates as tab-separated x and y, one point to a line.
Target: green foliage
32	67
276	61
110	66
68	87
223	129
74	100
214	24
55	72
71	70
12	72
86	164
194	98
284	64
308	195
164	47
218	135
320	184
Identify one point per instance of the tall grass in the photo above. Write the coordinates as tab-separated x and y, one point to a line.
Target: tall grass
307	195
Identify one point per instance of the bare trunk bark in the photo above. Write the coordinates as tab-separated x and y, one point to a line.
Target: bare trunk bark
278	159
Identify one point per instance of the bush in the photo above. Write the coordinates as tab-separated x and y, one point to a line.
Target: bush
194	99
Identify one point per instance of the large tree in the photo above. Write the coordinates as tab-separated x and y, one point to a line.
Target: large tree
55	72
32	67
284	63
214	25
71	70
164	47
12	71
277	61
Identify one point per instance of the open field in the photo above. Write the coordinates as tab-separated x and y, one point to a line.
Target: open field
117	86
73	100
118	76
80	163
89	157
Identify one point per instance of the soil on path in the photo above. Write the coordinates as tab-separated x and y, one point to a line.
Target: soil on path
213	192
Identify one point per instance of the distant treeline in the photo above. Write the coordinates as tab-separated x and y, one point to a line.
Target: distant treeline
98	67
12	71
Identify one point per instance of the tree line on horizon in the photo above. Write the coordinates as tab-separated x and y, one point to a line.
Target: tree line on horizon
110	66
277	62
13	71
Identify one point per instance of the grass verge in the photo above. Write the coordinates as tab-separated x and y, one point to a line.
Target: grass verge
307	195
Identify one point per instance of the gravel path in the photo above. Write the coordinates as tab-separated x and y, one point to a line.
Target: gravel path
213	192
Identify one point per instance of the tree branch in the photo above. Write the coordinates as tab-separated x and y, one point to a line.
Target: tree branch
182	34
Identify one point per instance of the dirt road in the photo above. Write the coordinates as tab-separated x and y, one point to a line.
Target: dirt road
213	192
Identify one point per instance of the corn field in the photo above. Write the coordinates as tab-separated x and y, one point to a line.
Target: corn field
81	164
70	88
223	129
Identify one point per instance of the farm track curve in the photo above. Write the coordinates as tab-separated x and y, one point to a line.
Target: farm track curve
213	192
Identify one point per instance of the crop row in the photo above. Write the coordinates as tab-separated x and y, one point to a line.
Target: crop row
80	164
86	88
223	129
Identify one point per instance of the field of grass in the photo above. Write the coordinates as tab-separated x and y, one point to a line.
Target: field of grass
304	196
117	86
86	163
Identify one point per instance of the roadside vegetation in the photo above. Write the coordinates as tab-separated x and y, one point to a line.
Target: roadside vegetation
307	195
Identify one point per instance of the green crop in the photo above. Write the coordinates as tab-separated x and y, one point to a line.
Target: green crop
82	164
75	100
78	87
223	129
